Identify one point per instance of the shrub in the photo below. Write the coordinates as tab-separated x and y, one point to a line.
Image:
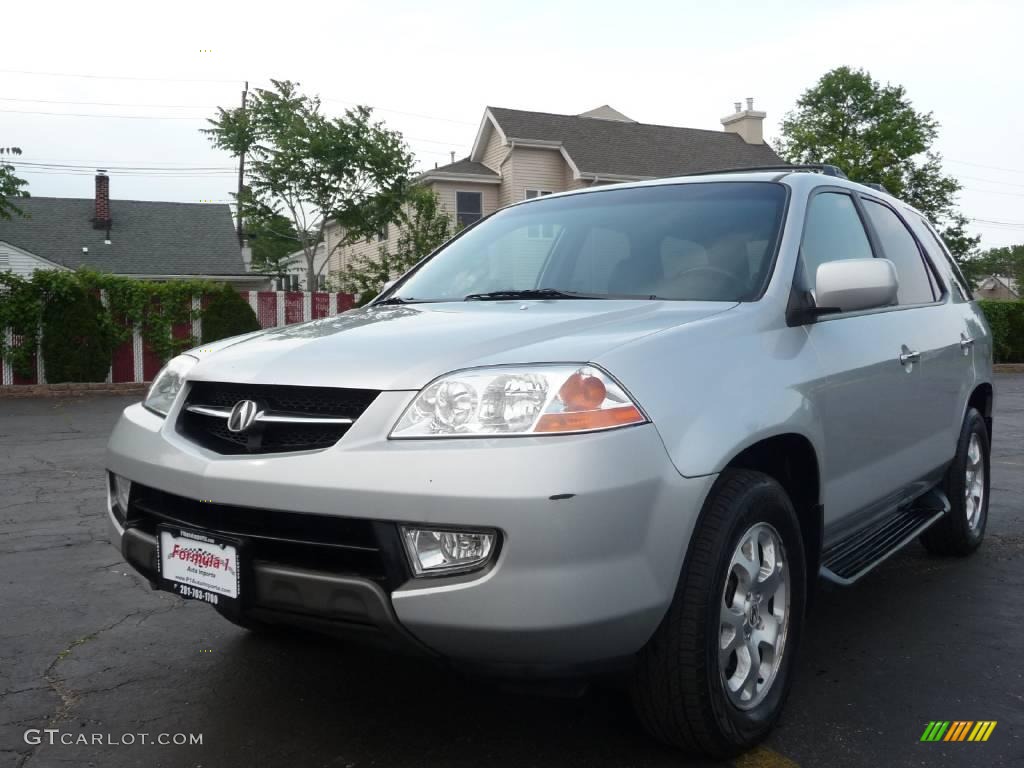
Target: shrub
77	337
1006	319
227	314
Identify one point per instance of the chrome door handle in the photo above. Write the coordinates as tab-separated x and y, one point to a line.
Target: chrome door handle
966	342
909	357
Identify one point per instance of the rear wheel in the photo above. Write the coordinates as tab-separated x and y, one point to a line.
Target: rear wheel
714	676
967	485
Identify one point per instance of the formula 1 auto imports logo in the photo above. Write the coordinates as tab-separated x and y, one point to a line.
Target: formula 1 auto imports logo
201	558
958	730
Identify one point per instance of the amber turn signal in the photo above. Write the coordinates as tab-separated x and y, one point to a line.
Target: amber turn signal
582	421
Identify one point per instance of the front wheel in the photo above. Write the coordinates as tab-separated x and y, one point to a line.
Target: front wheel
714	676
967	485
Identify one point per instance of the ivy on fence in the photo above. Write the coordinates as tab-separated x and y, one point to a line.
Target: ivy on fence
80	333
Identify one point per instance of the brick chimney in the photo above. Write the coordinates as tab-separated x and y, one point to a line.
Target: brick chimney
102	220
748	123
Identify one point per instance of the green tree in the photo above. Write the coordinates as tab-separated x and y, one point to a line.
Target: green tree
10	185
1007	261
273	239
314	168
873	133
423	226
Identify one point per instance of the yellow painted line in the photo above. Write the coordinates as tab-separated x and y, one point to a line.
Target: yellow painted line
762	757
988	731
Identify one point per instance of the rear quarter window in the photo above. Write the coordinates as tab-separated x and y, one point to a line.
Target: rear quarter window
940	257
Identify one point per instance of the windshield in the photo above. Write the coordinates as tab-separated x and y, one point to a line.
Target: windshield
711	241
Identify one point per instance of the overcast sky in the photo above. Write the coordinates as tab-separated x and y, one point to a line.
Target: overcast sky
430	69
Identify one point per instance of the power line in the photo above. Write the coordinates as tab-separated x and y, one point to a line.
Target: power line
179	117
143	174
109	103
989	181
209	106
993	192
990	167
1006	223
89	166
119	77
83	114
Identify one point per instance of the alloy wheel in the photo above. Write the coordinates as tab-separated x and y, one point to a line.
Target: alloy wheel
755	615
974	482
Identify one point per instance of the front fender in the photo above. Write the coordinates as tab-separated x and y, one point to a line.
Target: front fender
722	384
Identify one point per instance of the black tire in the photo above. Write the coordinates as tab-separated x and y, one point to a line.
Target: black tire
953	534
677	689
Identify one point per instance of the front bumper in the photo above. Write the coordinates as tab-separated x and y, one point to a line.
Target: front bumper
594	530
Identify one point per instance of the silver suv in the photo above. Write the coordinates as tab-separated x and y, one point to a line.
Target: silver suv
621	428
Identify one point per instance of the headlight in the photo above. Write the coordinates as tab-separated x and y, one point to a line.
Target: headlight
541	399
168	383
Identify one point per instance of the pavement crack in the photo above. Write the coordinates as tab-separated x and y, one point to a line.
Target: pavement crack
68	697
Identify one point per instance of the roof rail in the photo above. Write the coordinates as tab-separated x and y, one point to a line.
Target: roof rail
822	168
876	186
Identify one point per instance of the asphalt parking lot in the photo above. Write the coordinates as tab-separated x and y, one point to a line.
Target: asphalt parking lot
87	648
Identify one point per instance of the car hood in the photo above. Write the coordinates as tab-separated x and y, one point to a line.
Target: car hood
404	347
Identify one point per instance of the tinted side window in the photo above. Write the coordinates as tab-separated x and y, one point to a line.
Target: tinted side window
940	257
899	246
833	231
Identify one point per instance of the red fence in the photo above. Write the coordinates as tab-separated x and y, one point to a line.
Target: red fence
133	361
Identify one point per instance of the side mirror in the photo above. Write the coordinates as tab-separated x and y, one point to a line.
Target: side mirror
849	285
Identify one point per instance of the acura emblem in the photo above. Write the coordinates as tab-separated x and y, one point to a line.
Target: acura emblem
242	416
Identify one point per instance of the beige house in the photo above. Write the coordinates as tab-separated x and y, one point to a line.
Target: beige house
998	288
518	155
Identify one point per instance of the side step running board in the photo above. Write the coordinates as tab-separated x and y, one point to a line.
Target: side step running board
848	560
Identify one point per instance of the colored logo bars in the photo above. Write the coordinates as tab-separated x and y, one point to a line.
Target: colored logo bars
958	730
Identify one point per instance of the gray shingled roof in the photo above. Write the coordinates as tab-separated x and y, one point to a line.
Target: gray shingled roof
147	238
465	165
634	149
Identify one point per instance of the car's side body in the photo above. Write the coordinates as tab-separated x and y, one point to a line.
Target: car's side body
881	433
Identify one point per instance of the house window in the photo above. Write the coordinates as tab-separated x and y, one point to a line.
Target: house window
469	207
382	234
539	231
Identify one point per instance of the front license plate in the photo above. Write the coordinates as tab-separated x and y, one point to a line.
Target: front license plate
198	566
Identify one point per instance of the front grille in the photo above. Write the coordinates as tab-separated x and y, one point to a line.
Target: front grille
340	545
271	437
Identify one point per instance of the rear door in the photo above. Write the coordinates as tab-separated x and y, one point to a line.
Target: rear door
962	336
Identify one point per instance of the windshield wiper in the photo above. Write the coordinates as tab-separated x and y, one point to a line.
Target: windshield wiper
547	293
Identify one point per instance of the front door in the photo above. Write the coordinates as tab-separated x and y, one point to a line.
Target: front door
869	385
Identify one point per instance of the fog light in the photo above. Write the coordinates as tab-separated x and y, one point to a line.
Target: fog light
436	552
122	489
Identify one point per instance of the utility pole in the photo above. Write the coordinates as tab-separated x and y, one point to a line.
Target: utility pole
241	170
